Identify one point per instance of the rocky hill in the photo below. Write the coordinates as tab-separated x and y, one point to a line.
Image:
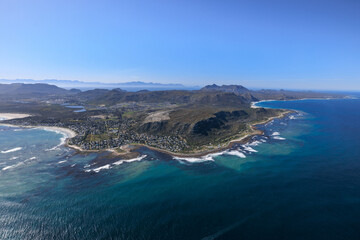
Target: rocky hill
236	89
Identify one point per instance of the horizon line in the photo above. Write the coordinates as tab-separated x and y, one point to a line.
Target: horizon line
185	85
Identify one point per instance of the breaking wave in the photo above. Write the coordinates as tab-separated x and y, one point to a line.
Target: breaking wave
249	149
276	135
193	159
236	153
279	138
210	157
130	160
108	166
62	141
12	150
11	166
18	164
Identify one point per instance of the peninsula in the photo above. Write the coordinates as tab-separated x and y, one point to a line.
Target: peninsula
178	122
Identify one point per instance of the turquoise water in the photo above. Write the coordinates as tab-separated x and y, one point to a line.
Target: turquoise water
301	180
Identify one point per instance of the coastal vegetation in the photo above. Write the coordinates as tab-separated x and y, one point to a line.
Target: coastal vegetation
176	121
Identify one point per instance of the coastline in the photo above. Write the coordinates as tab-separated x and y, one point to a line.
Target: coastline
9	116
68	133
130	150
242	140
253	104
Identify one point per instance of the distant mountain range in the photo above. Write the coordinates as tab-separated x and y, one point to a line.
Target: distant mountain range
128	86
210	94
37	90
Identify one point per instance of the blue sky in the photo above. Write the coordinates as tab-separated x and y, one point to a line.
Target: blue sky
258	43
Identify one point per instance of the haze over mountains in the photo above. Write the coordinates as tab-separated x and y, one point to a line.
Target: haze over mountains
128	86
230	95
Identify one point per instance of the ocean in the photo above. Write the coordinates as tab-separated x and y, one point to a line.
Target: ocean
300	180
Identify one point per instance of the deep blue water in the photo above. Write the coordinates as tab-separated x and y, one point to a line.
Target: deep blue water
302	183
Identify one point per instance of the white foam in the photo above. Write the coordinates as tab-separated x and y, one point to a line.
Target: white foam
18	164
12	166
62	141
249	149
130	160
255	143
89	165
276	135
193	160
208	157
13	158
107	166
18	130
12	150
62	161
236	153
279	138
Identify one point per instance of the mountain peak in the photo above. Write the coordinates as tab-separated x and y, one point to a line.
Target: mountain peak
237	89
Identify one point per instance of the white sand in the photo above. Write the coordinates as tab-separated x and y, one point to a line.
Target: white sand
8	116
68	132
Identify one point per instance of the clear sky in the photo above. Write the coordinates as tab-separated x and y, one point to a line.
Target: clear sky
300	44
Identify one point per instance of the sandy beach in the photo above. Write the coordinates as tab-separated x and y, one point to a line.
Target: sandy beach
253	104
9	116
65	131
68	132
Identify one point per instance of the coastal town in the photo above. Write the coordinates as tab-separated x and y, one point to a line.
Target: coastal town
100	134
178	122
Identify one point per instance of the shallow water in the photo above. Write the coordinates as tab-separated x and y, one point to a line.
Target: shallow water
299	181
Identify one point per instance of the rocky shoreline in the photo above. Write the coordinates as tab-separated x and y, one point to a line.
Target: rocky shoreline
242	140
129	151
